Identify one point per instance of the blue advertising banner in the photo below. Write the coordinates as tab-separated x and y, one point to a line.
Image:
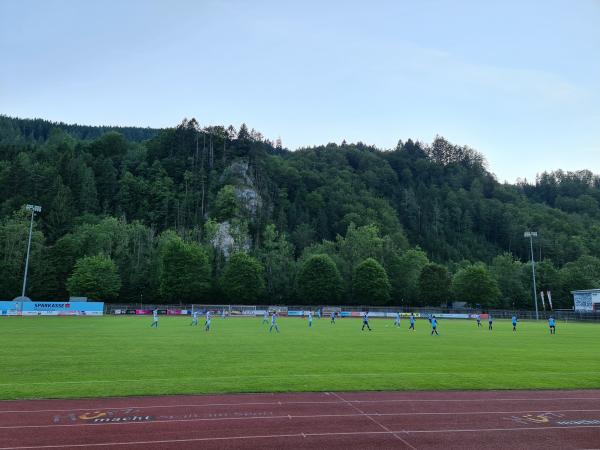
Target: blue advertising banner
8	308
52	308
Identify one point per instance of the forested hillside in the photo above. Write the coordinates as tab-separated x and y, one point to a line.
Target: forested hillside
217	215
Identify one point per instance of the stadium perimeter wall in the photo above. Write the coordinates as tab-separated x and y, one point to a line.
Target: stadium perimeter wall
343	311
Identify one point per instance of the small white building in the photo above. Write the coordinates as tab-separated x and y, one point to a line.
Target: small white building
586	300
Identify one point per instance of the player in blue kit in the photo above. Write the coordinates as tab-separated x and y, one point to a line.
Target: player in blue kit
552	325
412	322
274	322
207	321
309	319
366	321
478	317
265	317
319	313
194	318
434	326
332	321
154	319
514	323
397	321
490	322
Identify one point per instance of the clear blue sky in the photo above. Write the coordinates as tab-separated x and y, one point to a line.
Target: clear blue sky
517	80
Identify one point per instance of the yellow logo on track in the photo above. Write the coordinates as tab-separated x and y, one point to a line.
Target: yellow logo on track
92	415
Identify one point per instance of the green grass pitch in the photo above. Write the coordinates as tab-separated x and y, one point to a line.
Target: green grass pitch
56	357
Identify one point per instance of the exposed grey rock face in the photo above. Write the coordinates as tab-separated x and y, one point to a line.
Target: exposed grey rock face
232	236
249	199
223	241
230	239
238	175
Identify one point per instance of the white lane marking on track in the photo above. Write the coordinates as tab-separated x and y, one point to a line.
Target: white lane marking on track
289	416
307	402
276	436
356	408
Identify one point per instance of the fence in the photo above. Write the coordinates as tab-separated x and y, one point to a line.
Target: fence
344	311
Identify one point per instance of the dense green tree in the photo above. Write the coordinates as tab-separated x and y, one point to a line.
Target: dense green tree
434	285
226	203
95	277
243	279
14	235
474	285
319	281
185	274
359	244
277	257
404	270
547	279
371	285
508	275
115	192
581	274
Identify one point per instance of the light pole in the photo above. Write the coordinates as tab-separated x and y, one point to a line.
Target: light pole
531	235
33	209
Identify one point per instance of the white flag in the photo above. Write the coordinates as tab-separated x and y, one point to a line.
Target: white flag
543	303
549	298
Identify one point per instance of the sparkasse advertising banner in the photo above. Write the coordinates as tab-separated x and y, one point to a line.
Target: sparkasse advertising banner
62	308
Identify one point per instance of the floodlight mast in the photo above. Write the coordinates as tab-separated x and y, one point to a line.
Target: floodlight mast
33	209
531	235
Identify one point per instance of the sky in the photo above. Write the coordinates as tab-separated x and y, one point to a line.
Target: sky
519	81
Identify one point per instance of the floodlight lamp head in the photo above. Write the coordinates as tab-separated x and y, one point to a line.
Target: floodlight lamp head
33	208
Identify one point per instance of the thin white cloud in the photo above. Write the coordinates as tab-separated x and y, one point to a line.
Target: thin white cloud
528	84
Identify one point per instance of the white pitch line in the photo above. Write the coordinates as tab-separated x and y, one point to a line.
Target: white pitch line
288	416
297	375
356	408
307	402
276	436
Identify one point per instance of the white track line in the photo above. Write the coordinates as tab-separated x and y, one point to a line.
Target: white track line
297	435
308	402
353	406
288	417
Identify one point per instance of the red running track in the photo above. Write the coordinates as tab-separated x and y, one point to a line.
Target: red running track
365	420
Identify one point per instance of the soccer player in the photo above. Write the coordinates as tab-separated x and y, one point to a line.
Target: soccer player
552	325
266	317
412	322
194	318
514	323
434	326
319	313
490	322
333	318
397	321
207	321
310	319
154	319
366	321
478	320
274	322
223	314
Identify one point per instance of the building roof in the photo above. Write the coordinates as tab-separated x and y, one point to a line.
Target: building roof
584	291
